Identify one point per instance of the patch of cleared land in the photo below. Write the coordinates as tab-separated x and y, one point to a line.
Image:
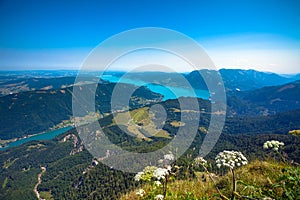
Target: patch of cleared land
9	163
177	123
139	123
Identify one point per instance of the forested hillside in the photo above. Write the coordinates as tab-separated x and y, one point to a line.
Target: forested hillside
36	111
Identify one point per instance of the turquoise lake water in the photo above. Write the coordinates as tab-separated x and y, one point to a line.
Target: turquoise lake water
169	92
43	136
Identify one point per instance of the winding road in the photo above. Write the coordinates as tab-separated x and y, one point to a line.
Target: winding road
38	183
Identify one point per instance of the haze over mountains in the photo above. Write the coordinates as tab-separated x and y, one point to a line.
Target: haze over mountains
18	81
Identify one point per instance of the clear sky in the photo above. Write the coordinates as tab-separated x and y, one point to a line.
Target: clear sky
257	34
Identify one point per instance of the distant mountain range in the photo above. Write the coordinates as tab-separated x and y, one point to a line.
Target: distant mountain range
11	85
266	100
251	79
234	79
241	80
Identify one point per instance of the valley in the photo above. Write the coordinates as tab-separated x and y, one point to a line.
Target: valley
254	115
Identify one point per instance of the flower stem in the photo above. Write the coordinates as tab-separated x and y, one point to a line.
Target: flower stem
165	186
211	178
234	185
281	156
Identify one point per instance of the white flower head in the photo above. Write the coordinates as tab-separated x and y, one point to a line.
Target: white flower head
157	183
167	160
159	197
160	173
160	161
231	159
140	192
146	174
168	167
138	176
200	161
273	144
169	157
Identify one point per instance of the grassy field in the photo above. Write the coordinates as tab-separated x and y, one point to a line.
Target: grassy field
139	123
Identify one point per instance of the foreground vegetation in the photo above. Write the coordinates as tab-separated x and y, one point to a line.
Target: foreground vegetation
274	178
257	180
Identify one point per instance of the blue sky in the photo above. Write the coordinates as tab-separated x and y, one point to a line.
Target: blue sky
263	35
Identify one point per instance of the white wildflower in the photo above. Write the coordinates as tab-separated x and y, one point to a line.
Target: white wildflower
146	174
231	159
273	144
140	192
200	161
159	197
169	157
138	176
169	168
160	173
157	183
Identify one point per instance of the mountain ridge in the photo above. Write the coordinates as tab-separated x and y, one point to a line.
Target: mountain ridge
267	100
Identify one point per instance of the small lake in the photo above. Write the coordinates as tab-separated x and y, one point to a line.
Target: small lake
169	92
43	136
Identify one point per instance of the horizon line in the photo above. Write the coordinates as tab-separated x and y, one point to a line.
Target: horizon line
125	71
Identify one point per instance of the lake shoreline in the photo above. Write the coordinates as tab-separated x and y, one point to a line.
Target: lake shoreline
19	141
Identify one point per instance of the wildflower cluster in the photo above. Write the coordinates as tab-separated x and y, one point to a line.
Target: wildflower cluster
169	157
200	161
273	144
167	160
160	173
231	159
138	176
159	176
146	174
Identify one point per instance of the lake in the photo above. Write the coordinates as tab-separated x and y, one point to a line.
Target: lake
43	136
169	92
